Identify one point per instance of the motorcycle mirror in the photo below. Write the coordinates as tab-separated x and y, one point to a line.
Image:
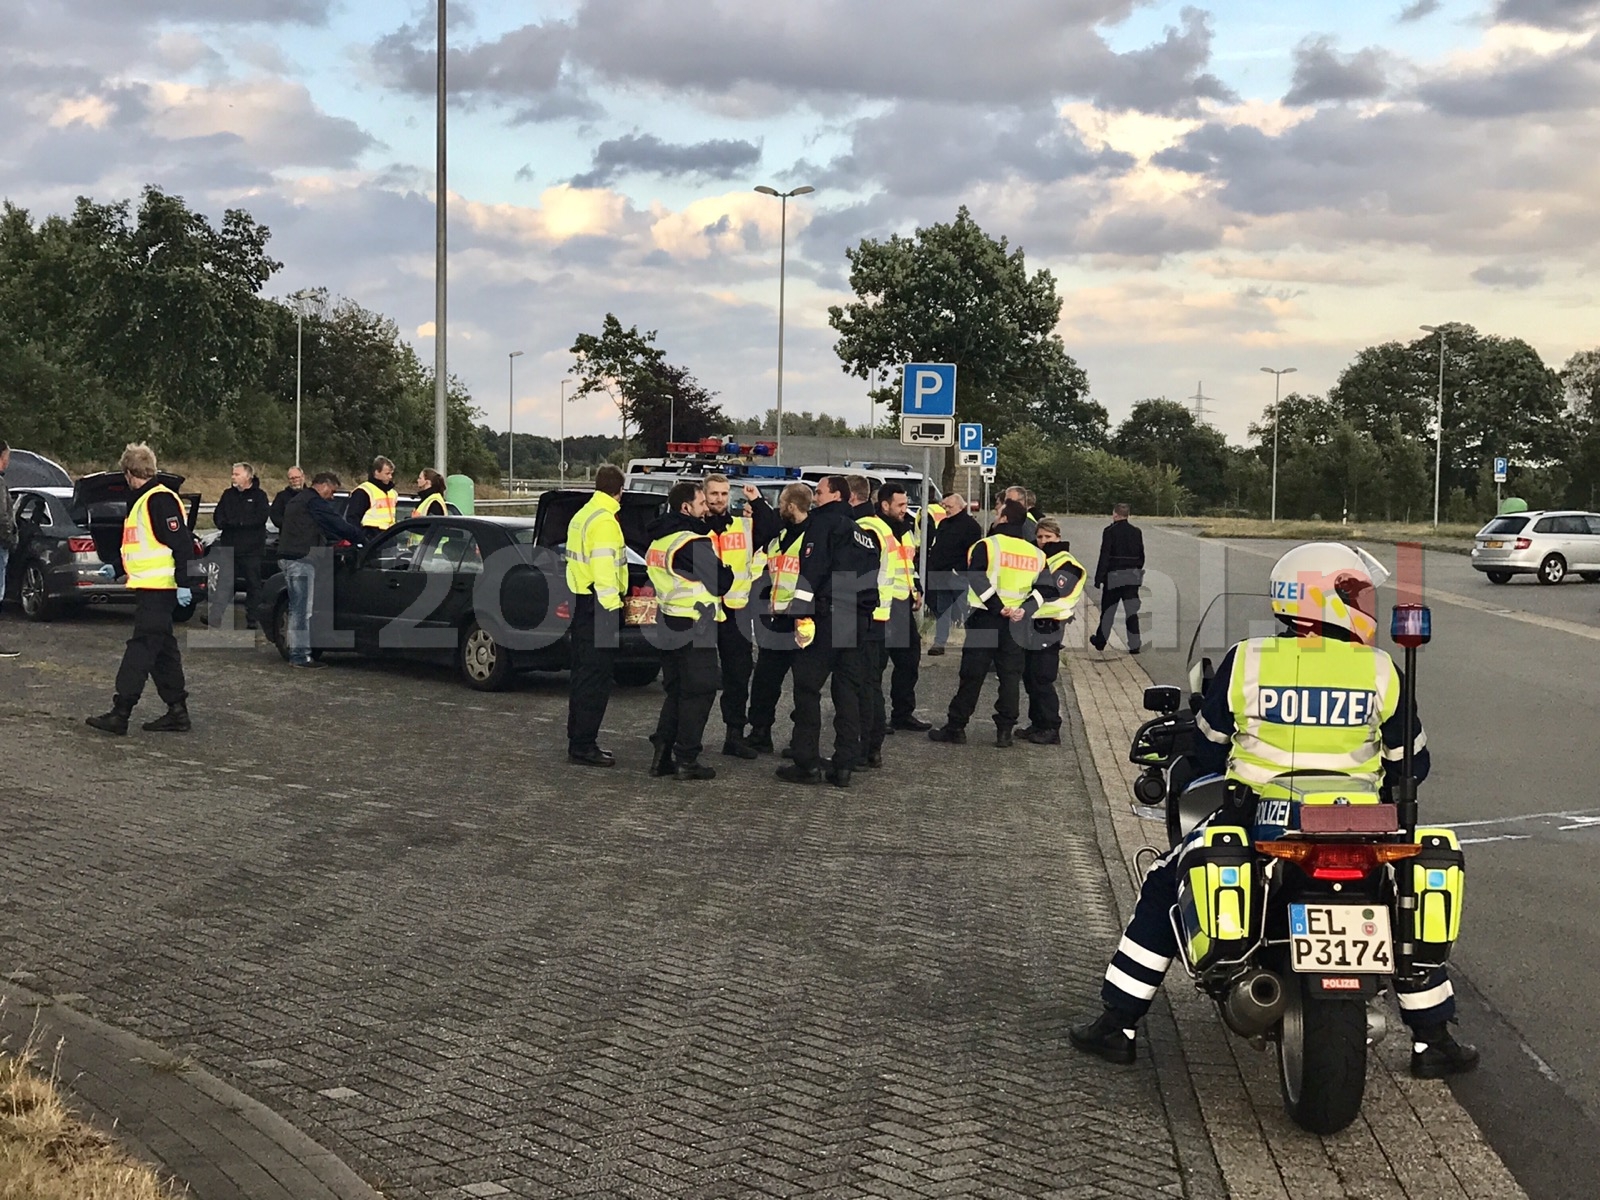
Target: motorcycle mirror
1162	699
1411	625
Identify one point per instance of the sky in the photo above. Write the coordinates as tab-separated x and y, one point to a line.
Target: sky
1217	187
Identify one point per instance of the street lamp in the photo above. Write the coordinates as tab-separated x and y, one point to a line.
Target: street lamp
1277	391
511	416
564	383
299	347
1438	445
441	377
783	262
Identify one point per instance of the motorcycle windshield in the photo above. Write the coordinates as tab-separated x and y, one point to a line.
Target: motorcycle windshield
1228	619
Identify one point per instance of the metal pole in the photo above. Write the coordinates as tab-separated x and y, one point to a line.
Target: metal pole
564	383
1438	445
1277	393
672	418
441	389
927	521
783	265
511	416
299	354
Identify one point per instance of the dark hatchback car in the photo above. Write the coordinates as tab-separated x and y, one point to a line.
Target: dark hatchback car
69	551
487	595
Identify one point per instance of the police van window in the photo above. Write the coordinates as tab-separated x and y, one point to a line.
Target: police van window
452	549
1506	525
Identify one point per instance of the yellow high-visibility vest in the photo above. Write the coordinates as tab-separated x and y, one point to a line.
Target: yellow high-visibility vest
146	558
1061	607
675	595
783	558
597	557
433	505
736	550
888	556
1014	565
380	513
905	575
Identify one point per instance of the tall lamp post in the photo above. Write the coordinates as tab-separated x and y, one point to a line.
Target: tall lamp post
564	383
511	416
299	347
1277	392
441	378
1438	445
783	263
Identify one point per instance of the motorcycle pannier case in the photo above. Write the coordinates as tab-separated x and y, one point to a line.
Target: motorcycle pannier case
1216	897
1430	898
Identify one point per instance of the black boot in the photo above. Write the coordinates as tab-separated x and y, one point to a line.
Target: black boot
838	776
174	720
661	764
795	773
1435	1054
694	770
1112	1036
1002	737
1044	737
115	721
734	745
956	737
760	739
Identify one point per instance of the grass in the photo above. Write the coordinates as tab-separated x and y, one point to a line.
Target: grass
46	1153
1457	538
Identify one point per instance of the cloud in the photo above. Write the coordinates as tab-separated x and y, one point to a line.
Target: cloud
1165	77
524	62
1567	80
1321	73
1418	9
276	122
1509	278
719	159
1549	14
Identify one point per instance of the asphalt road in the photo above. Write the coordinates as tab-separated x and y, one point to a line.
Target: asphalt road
1506	693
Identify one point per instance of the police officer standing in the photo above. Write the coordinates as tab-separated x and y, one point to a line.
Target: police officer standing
740	541
904	640
774	630
372	505
1008	584
1042	662
597	575
156	539
875	628
689	581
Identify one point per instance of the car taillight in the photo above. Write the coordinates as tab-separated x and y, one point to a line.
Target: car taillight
1338	862
81	545
1524	543
564	611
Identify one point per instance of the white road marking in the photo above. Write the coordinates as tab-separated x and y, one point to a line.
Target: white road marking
1502	837
1565	815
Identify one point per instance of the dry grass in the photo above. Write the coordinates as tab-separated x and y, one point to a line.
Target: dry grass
47	1154
1457	538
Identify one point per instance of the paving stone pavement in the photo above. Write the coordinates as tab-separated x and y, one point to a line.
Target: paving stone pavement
387	908
1412	1140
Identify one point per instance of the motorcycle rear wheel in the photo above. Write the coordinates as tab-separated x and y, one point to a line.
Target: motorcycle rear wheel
1322	1059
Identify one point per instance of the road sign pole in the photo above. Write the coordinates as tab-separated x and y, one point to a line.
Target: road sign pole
927	525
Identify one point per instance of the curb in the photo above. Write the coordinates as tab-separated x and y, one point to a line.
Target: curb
212	1138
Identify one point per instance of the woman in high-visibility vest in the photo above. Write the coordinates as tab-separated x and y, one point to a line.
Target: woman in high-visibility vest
1042	662
430	494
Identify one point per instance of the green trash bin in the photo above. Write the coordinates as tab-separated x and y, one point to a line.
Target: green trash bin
460	491
1513	504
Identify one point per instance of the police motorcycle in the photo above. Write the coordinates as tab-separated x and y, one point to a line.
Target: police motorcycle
1306	899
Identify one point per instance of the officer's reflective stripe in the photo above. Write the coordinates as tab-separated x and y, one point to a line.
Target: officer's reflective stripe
733	548
1396	753
380	508
1432	998
677	596
1145	958
1207	732
1123	982
609	581
1061	607
983	596
802	594
1037	599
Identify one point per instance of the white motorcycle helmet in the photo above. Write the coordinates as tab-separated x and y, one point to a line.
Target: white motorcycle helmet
1326	583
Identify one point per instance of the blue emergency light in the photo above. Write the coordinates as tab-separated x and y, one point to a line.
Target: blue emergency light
1411	625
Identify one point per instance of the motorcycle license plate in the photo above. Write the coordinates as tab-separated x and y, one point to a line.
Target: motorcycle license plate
1343	938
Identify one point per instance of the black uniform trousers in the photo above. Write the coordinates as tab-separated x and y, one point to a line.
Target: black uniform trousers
250	569
990	646
1128	597
690	675
874	713
845	666
905	652
1041	667
152	651
593	672
736	650
773	665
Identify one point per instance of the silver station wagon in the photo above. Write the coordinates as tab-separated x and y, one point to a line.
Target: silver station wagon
1549	545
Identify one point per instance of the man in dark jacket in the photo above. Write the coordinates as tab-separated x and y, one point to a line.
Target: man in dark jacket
8	533
241	514
953	540
738	539
297	483
774	628
689	581
372	505
309	521
1118	574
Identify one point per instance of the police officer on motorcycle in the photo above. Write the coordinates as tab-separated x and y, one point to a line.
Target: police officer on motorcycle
1324	594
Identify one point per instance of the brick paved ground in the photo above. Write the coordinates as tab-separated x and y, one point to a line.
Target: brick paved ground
387	908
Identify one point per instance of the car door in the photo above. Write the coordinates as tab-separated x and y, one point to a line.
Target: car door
451	561
383	584
1577	546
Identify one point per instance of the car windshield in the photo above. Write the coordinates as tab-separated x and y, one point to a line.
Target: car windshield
1506	525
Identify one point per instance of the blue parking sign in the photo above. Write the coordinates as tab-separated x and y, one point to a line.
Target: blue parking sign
969	437
991	456
1500	469
928	390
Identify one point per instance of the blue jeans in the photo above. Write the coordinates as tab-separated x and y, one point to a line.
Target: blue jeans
300	574
5	561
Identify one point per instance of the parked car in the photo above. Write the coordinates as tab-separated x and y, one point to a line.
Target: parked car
1549	545
414	591
879	473
69	552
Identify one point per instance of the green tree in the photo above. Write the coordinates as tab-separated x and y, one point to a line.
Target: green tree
951	293
649	392
1164	433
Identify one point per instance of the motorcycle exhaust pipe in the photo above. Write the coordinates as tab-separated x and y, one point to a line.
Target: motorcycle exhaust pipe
1254	1004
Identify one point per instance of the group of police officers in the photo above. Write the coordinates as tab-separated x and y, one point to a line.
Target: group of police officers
822	591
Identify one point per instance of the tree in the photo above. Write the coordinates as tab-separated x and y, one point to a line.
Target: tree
655	396
1163	432
799	424
951	293
1580	378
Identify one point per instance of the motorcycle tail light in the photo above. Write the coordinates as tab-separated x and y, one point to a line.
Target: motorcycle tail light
1524	543
1338	862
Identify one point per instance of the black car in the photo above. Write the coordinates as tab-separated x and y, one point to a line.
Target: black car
487	595
69	551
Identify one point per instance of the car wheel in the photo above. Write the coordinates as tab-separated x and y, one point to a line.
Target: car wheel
1590	576
634	675
35	594
1499	576
485	663
1553	569
280	631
